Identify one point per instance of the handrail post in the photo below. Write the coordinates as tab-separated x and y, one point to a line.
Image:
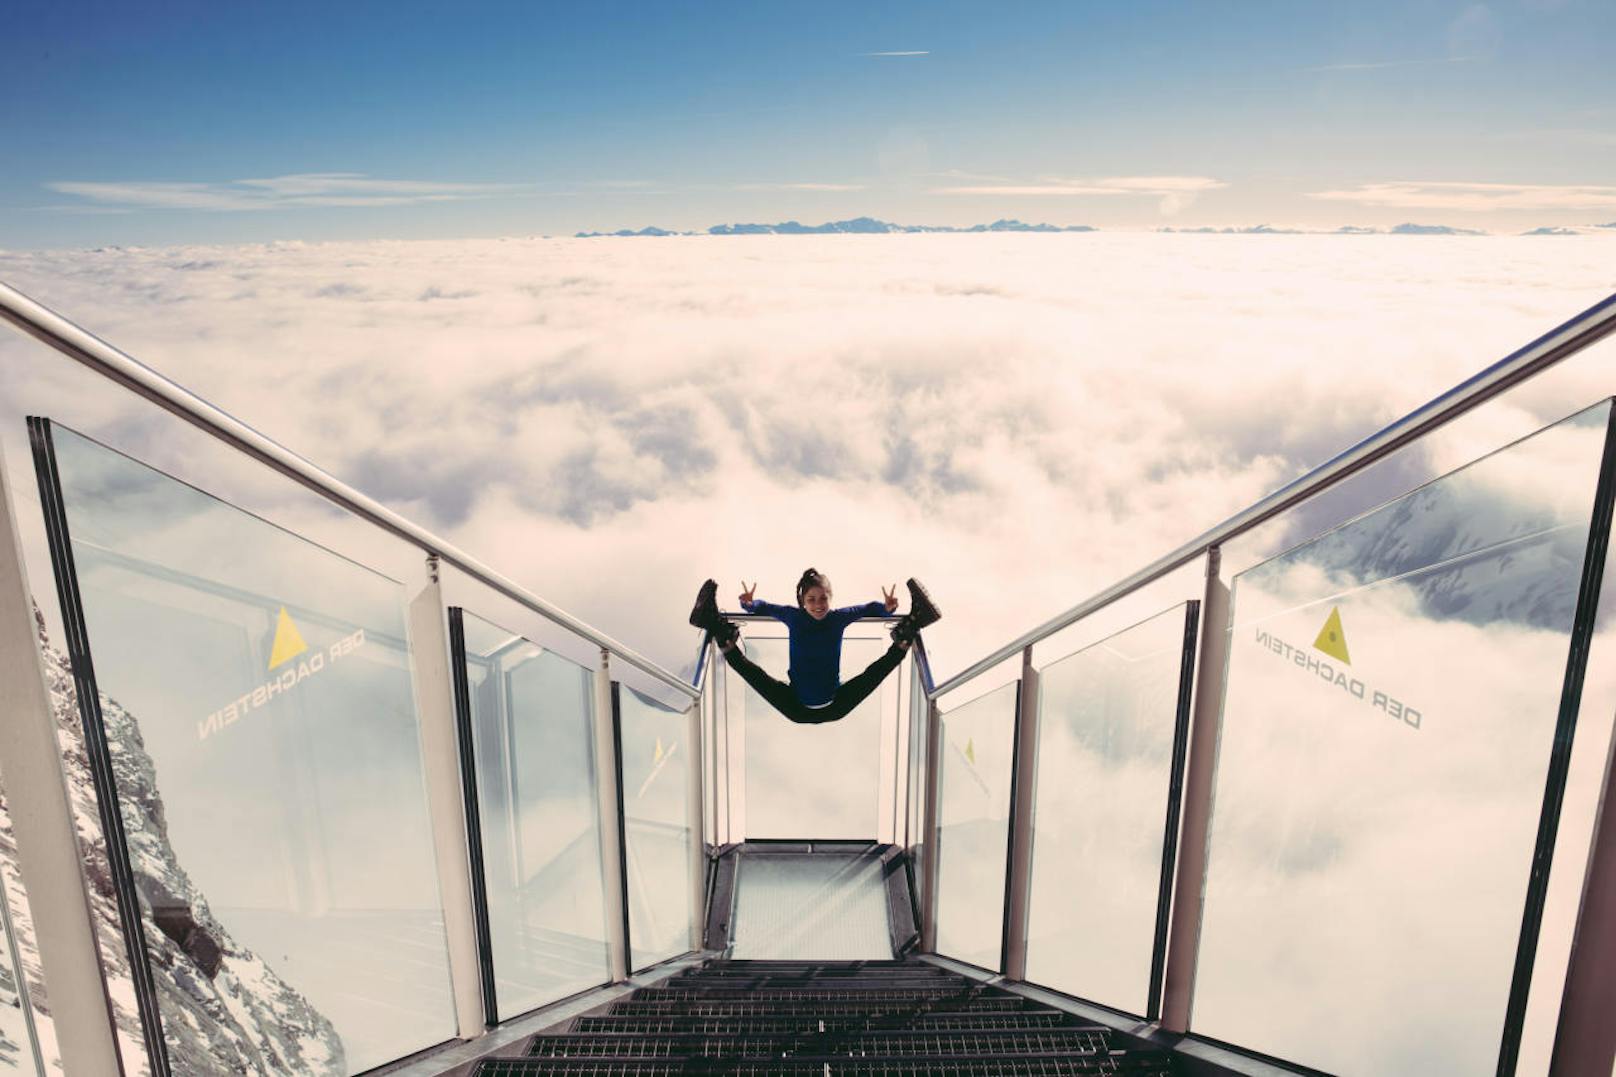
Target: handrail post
1586	1034
42	820
440	744
1024	782
1184	932
696	817
934	753
611	829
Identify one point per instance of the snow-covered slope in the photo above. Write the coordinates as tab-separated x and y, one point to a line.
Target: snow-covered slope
224	1009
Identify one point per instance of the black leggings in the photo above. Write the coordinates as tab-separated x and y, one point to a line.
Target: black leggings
784	699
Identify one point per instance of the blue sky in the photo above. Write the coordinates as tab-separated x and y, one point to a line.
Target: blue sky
187	122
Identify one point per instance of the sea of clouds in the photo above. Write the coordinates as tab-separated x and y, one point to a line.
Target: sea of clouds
1016	420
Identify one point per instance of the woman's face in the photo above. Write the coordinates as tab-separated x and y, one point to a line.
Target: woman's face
816	600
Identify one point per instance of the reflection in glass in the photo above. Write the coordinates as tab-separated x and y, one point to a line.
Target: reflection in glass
19	1044
974	827
1109	718
1391	704
813	781
655	787
532	731
261	722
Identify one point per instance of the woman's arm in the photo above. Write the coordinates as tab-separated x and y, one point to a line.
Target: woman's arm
768	609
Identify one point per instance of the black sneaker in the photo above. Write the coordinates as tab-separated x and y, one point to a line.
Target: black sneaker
704	614
921	608
922	612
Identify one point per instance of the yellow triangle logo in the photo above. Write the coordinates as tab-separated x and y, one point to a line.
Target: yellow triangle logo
1332	640
970	750
659	752
288	641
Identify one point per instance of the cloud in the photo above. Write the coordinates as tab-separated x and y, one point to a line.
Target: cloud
905	52
1475	197
1175	192
1383	64
300	190
800	187
928	405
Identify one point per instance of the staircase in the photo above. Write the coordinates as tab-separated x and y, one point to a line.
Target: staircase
892	1018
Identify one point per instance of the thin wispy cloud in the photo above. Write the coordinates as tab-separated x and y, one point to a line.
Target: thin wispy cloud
1475	197
293	191
800	187
1378	65
1175	192
900	52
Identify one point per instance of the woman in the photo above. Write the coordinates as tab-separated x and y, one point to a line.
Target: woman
815	693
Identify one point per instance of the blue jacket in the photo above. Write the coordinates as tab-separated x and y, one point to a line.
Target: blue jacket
816	646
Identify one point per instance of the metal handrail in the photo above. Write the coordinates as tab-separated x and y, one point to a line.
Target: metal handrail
1587	328
76	343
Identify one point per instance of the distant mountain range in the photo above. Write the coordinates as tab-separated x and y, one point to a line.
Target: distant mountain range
874	226
856	226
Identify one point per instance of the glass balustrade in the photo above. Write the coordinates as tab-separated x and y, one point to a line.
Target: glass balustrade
530	716
1394	698
1112	724
256	702
654	742
814	781
973	832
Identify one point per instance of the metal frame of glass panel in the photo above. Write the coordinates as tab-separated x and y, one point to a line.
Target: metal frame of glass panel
473	809
96	746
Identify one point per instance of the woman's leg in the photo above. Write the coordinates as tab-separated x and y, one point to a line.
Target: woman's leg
855	691
782	697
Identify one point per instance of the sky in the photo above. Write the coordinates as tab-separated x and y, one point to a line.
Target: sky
190	122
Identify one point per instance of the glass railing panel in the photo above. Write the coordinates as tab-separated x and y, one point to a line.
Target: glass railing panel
973	818
813	781
531	718
655	743
257	700
1111	731
1393	694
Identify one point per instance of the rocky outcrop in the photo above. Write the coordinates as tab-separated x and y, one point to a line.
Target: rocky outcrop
224	1009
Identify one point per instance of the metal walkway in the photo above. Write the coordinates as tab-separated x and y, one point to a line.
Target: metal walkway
894	1018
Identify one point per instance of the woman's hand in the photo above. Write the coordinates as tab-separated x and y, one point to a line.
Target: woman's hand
890	598
747	592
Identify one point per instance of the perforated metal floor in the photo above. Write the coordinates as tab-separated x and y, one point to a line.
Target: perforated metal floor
888	1018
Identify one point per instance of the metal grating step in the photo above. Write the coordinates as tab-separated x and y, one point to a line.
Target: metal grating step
749	1007
859	992
820	972
733	1026
882	1044
1132	1065
932	984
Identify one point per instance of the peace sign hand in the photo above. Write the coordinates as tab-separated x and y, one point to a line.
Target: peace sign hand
747	592
890	598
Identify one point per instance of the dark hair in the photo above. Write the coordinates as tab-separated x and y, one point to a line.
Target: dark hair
811	578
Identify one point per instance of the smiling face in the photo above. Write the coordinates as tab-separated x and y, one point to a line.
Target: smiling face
816	600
